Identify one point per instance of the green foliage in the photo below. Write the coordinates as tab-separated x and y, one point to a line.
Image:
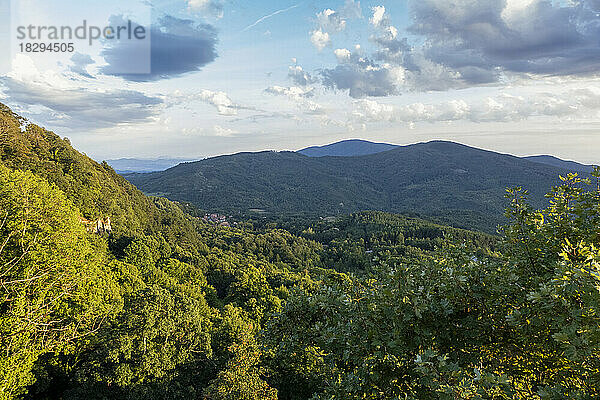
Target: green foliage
54	288
521	325
356	242
147	350
241	380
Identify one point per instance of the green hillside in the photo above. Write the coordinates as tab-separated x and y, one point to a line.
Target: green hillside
452	183
94	188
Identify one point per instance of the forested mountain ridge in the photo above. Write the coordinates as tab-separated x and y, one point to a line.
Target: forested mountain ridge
359	147
453	183
347	148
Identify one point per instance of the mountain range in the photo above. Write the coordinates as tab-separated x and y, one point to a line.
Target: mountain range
449	182
358	147
344	148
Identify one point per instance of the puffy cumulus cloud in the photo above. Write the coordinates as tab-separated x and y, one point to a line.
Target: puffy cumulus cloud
67	102
320	39
372	111
571	104
421	73
329	20
395	66
300	77
178	46
363	77
480	37
342	55
210	7
220	100
391	47
379	17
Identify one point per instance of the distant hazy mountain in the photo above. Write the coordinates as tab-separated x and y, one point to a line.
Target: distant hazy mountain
557	162
347	148
129	165
454	183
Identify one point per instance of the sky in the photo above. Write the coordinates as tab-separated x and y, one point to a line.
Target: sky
223	76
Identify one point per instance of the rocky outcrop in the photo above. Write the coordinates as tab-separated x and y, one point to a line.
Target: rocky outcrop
99	227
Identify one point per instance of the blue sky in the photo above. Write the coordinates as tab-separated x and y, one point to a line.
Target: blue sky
516	76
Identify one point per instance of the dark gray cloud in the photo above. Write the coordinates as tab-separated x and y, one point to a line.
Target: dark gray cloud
178	46
478	38
471	42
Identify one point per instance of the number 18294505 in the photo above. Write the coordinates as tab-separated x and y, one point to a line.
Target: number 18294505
40	47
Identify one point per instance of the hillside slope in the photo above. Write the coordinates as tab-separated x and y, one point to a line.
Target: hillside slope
96	189
453	183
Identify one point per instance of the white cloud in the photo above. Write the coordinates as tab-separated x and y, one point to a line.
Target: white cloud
220	100
342	55
224	132
379	18
370	110
320	39
330	21
293	92
505	107
466	43
333	21
515	7
212	7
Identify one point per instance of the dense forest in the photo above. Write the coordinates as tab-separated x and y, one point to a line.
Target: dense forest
368	305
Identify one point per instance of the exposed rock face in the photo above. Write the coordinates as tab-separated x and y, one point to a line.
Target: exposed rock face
99	227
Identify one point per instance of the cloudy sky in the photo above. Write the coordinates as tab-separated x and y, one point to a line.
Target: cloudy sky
515	76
